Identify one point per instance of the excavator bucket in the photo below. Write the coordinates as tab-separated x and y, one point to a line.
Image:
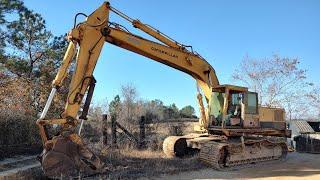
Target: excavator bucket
65	157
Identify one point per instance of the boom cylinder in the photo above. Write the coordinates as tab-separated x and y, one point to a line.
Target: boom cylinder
203	119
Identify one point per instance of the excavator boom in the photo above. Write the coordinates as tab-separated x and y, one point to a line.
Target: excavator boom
86	40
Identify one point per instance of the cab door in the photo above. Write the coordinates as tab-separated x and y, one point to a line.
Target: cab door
250	110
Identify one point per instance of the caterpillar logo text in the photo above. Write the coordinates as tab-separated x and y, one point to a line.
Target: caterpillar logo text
164	52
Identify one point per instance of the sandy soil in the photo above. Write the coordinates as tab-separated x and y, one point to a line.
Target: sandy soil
296	166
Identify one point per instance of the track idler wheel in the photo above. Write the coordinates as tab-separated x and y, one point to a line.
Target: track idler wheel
175	146
63	157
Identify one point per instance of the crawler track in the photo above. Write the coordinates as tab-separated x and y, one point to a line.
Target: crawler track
223	155
213	154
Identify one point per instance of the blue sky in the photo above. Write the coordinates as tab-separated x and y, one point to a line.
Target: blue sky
222	31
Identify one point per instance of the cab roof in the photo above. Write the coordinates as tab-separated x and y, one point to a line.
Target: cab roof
230	87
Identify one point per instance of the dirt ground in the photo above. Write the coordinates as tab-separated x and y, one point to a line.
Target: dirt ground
296	166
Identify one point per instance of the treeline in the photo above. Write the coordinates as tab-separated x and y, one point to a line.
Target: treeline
128	107
29	58
154	110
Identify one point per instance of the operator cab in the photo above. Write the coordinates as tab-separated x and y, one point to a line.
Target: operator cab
233	107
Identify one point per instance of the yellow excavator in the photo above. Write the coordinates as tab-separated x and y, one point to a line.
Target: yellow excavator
232	130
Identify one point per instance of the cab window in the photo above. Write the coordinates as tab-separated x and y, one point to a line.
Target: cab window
217	101
235	99
252	103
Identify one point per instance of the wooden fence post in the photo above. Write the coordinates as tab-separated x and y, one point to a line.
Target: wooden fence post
142	132
105	129
113	131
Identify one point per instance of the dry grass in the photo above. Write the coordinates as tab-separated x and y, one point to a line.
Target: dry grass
128	162
133	164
